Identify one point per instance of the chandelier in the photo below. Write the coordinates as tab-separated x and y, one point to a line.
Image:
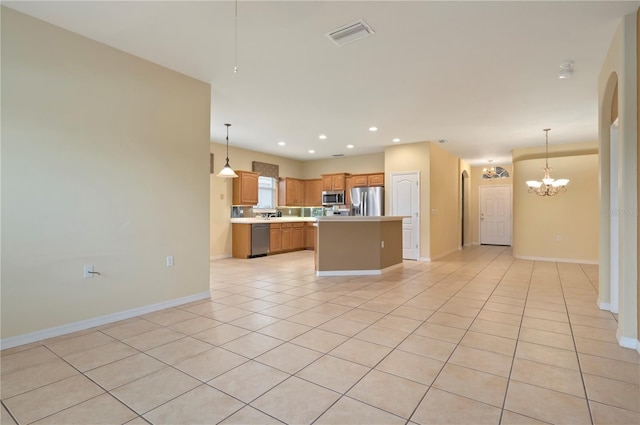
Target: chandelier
548	186
489	172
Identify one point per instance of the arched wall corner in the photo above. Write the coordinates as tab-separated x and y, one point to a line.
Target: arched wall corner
604	181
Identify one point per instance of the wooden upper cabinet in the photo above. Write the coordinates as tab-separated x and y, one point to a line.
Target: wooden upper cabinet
375	179
245	188
313	193
291	192
334	181
359	180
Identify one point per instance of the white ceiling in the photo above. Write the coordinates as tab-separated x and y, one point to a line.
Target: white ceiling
482	75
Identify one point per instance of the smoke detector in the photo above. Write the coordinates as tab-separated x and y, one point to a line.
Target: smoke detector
351	32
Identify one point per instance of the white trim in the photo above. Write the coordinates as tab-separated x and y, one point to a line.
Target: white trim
17	340
627	342
219	257
475	243
604	306
556	260
425	259
356	272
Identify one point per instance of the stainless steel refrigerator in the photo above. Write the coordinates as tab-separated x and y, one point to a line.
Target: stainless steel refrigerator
367	201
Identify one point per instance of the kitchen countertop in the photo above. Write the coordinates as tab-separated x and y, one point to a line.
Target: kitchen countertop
273	220
354	218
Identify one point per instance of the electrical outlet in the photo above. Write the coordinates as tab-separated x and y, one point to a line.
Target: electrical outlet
88	271
382	244
558	237
170	261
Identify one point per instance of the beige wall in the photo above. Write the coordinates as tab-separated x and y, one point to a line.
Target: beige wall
104	162
361	164
444	213
476	182
572	216
465	169
411	157
638	161
620	67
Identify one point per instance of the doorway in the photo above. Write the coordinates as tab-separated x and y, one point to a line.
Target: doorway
464	209
495	215
405	201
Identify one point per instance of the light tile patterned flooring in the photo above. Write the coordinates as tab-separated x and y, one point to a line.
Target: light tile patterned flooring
478	338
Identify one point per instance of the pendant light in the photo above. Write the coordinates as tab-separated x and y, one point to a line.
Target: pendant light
548	186
227	171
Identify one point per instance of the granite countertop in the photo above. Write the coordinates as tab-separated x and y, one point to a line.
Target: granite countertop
273	220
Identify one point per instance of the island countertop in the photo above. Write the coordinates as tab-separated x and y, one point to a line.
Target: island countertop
359	218
273	220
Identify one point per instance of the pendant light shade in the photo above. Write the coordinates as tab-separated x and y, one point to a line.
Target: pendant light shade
227	171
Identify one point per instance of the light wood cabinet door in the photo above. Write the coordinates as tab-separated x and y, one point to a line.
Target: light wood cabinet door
298	237
275	238
375	179
245	188
310	236
313	193
360	180
326	182
240	240
287	238
299	196
337	181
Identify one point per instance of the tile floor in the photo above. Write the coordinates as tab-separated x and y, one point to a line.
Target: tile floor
478	338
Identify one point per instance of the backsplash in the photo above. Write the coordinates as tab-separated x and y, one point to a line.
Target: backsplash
248	212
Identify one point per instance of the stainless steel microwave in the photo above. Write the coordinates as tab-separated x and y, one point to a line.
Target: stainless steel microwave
332	197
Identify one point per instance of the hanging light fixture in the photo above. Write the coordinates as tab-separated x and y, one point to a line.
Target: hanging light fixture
227	171
489	172
548	186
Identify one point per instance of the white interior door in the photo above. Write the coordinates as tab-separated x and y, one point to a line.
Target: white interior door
405	201
495	215
614	217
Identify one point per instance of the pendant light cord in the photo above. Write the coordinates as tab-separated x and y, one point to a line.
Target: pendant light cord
235	68
546	158
228	125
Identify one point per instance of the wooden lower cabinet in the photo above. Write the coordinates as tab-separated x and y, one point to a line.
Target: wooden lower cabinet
240	240
287	236
275	238
310	236
298	236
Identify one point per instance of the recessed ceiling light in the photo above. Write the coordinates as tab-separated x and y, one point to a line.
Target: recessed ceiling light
281	143
322	137
396	140
349	146
373	128
312	151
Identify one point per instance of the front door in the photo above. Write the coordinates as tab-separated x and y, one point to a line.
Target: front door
405	201
495	215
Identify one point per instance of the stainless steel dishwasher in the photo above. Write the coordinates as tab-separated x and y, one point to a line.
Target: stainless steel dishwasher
259	239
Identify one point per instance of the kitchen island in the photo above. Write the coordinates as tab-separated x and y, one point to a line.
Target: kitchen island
354	245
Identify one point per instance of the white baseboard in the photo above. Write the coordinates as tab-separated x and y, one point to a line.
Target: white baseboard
604	306
356	272
17	340
425	259
556	260
219	257
475	243
627	342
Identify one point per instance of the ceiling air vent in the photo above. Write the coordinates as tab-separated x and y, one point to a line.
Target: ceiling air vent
351	32
337	154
